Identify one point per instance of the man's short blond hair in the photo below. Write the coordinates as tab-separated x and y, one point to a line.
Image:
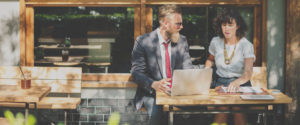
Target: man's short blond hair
166	10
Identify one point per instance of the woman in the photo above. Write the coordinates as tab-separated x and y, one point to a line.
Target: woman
233	56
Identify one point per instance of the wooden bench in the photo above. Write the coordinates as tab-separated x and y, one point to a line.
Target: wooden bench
104	80
259	79
65	83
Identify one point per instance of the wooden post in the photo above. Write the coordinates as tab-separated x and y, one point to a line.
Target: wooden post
264	32
257	42
149	19
29	40
137	21
143	17
292	64
22	32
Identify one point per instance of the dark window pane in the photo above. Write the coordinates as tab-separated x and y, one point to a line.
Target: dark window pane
198	28
97	39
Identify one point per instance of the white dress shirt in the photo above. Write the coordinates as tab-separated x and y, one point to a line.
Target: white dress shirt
162	51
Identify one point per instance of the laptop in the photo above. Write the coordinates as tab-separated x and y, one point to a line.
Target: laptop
191	81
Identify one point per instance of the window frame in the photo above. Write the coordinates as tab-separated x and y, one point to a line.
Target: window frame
142	19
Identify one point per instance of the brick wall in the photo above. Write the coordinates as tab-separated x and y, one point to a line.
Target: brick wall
98	104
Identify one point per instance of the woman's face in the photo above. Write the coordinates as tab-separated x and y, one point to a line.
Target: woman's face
229	29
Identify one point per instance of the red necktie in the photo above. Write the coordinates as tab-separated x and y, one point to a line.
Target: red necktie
168	67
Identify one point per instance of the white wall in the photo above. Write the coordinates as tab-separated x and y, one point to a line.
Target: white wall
9	32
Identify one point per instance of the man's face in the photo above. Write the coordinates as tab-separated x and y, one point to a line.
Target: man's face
174	25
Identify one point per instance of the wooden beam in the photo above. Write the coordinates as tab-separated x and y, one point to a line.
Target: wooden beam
22	33
29	50
69	3
132	2
204	2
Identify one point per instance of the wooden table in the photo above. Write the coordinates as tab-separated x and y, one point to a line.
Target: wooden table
15	94
215	99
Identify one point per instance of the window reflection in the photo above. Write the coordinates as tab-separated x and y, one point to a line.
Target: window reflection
97	39
198	28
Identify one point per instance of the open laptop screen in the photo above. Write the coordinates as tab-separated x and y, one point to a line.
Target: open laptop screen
191	81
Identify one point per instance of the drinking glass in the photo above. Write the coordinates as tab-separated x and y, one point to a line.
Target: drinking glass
26	81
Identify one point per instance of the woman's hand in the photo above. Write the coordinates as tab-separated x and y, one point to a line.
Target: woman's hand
233	87
248	69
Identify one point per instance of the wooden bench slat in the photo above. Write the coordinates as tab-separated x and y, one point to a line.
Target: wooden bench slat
58	103
68	73
7	104
60	86
121	77
108	85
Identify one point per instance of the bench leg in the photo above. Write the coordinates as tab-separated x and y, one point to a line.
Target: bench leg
171	118
65	120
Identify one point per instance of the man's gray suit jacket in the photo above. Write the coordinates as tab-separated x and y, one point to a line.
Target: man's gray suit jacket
147	65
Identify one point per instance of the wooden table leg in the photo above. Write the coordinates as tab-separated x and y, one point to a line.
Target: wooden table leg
265	115
171	115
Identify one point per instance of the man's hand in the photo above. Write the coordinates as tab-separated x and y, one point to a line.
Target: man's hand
162	85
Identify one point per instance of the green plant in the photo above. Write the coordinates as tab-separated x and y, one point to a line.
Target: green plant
114	119
19	119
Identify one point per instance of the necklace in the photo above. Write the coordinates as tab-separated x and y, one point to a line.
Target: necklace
228	60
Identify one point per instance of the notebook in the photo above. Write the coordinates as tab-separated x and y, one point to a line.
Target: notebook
257	97
256	90
191	81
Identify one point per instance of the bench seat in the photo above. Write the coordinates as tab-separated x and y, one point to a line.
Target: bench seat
49	103
58	103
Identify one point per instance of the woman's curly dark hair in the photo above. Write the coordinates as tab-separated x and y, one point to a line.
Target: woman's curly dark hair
226	16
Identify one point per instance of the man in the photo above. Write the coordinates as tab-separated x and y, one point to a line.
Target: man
155	55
